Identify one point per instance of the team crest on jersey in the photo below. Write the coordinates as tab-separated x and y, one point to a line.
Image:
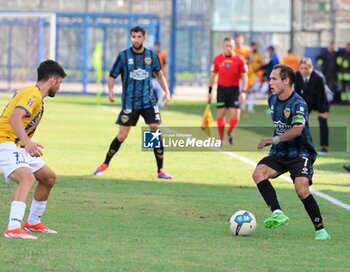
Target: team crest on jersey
148	61
30	102
124	118
130	61
286	112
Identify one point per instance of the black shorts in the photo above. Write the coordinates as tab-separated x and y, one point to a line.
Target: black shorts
227	97
297	167
129	118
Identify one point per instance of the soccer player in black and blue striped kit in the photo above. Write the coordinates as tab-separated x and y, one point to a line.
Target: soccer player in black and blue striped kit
291	151
136	66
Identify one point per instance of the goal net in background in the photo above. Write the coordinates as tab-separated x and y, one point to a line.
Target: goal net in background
26	39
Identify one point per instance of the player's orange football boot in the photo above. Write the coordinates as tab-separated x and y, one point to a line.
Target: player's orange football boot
18	233
101	169
37	228
162	174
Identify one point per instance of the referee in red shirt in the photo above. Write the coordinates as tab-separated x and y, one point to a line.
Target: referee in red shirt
230	68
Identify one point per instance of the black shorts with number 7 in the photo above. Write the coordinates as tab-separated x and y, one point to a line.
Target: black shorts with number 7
297	167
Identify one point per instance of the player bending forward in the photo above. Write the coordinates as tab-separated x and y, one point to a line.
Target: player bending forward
20	157
292	151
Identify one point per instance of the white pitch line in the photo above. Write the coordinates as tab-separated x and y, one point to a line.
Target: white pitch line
329	198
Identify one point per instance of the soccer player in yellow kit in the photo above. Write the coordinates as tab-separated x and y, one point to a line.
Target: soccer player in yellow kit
20	157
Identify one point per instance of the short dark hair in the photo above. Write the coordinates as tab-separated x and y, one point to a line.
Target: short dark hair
49	68
138	29
286	72
228	39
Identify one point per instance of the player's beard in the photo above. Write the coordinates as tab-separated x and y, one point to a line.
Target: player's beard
52	93
137	47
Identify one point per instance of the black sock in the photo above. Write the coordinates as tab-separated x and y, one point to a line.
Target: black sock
269	194
159	153
113	148
313	211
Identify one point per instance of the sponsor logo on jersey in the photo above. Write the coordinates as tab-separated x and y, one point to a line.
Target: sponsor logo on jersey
301	110
148	61
130	61
280	127
139	74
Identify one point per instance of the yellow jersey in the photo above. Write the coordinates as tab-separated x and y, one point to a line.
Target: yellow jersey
31	101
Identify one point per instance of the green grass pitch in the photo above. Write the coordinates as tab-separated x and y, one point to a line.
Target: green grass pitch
127	220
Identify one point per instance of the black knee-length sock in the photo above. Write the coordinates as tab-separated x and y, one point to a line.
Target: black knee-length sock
269	194
159	153
313	211
113	148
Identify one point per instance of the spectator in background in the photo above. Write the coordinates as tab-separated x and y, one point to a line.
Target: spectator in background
291	60
327	61
343	62
255	60
156	86
268	67
311	86
241	48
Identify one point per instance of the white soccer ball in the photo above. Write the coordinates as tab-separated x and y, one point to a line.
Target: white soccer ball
242	223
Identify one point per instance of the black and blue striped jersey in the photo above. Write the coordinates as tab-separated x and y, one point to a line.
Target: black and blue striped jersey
286	114
136	75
